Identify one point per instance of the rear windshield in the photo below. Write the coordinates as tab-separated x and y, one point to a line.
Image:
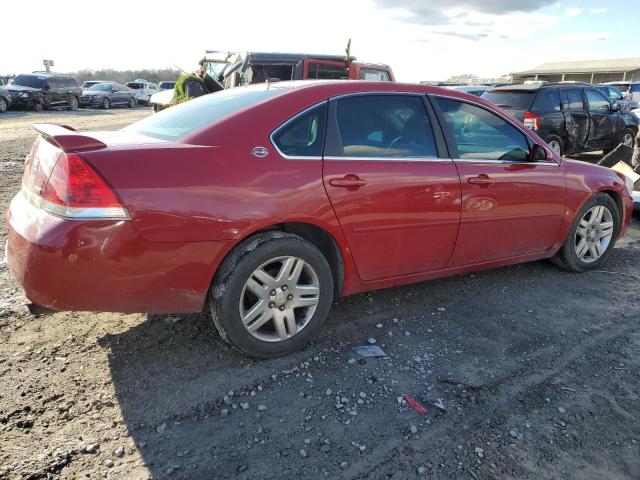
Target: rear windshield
180	120
520	99
32	81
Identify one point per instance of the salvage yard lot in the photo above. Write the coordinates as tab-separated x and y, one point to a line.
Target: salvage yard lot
539	371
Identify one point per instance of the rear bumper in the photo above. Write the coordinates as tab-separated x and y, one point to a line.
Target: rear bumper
104	265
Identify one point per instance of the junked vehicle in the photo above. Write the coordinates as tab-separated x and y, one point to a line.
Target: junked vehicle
615	95
571	118
266	202
5	99
42	91
108	94
143	90
166	85
232	69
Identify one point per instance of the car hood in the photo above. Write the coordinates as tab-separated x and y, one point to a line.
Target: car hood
92	93
165	97
22	88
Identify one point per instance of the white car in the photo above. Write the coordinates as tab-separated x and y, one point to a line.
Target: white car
161	100
143	90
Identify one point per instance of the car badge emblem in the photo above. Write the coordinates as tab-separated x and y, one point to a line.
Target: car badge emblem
259	151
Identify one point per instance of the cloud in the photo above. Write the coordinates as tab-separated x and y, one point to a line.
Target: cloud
586	37
598	11
427	12
463	35
572	12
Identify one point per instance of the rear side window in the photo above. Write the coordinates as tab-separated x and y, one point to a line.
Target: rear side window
181	120
510	99
574	99
303	136
482	135
383	126
548	100
371	75
327	71
597	101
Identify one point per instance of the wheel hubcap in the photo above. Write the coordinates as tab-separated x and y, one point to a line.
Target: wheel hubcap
594	234
628	140
3	105
555	146
279	299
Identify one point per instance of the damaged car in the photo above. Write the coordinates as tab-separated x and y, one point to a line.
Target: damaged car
43	91
222	70
571	118
264	203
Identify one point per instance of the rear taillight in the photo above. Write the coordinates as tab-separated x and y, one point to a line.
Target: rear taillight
532	120
75	190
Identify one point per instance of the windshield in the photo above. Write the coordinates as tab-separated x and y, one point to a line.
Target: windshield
135	86
30	81
180	120
520	99
101	87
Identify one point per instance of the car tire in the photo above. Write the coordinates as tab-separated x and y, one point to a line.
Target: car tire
585	232
106	104
132	103
555	143
73	103
243	272
4	105
38	106
628	138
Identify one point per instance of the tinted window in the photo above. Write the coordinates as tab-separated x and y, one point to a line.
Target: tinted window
304	135
548	100
54	83
597	101
30	81
574	99
186	118
327	71
635	87
514	99
384	126
481	134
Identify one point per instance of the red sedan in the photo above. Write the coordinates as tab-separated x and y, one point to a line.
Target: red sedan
265	203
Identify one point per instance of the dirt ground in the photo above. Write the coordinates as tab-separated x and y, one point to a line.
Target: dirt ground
538	370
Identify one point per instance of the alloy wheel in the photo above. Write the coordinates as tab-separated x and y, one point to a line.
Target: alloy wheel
594	234
627	139
279	299
3	105
555	146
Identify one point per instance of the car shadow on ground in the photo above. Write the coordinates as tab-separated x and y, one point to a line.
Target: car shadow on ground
171	372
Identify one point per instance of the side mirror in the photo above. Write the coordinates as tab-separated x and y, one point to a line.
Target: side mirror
615	107
538	152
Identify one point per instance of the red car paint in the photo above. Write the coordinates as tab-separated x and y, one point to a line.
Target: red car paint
191	201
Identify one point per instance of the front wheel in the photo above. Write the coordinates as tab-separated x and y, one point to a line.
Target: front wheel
106	104
4	105
271	294
592	235
132	102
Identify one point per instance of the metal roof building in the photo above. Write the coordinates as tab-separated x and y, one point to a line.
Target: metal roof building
593	71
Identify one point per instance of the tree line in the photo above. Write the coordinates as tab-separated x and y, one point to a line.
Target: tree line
123	76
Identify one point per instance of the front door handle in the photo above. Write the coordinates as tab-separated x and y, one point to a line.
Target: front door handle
348	181
483	180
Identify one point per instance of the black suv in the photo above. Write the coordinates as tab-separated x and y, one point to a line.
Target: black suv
39	91
571	118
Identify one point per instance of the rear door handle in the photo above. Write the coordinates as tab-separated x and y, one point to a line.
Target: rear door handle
348	181
482	180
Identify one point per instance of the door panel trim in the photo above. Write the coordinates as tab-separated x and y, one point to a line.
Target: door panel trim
389	159
510	162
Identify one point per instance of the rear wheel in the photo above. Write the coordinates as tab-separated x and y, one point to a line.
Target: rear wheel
592	235
106	104
271	294
132	102
73	103
4	105
555	143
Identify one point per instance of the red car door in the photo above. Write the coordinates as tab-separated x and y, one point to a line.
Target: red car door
511	205
396	198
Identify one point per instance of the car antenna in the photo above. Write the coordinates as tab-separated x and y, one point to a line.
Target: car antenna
180	69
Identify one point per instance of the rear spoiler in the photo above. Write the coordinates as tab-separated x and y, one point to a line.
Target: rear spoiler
66	138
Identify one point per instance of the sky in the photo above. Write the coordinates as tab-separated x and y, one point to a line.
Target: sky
419	39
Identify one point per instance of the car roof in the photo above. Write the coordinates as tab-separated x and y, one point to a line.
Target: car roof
532	87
